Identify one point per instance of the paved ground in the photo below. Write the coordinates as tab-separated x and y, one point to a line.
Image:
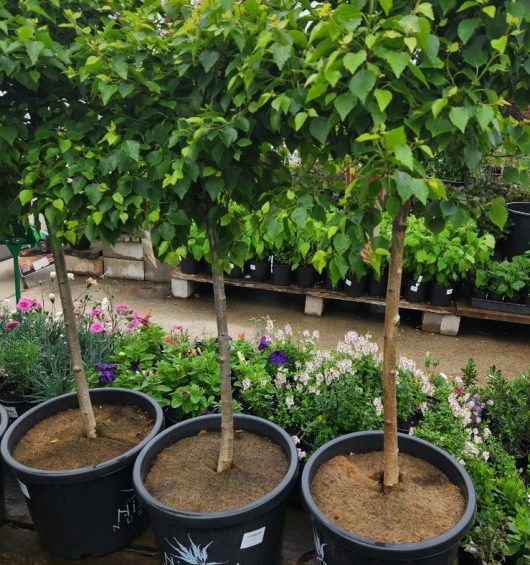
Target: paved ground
491	343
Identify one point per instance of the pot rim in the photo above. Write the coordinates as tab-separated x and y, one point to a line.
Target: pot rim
83	473
226	517
431	546
4	420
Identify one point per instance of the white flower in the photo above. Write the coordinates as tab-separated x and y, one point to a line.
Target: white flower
301	454
51	297
104	302
246	384
462	462
53	276
70	276
296	439
489	402
486	455
412	430
289	401
378	405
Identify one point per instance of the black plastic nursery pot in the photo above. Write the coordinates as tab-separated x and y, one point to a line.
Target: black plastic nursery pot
377	287
519	239
88	511
414	291
259	270
441	294
188	265
249	535
336	546
281	274
354	286
16	408
4	422
339	287
305	276
235	272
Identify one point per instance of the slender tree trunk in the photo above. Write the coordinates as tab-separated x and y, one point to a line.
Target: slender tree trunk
226	453
391	465
81	385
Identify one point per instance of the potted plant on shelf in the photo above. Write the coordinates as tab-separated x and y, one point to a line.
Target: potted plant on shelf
194	251
282	259
416	262
355	281
508	281
307	240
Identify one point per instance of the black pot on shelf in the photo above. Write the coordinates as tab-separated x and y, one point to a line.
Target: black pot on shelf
249	535
441	294
282	274
235	272
305	276
480	294
353	286
4	422
16	408
414	291
188	265
336	546
87	511
519	239
339	287
259	270
496	297
377	287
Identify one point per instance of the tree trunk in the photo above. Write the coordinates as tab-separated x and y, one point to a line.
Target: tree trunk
226	453
81	385
391	465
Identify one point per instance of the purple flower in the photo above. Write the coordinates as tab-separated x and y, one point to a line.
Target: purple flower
263	342
106	372
278	358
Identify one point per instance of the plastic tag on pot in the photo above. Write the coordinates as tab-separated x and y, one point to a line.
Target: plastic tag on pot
414	287
11	412
252	267
250	539
231	265
449	291
23	488
347	282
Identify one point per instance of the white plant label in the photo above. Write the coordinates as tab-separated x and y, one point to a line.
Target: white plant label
231	265
420	278
252	267
449	291
250	539
414	288
23	488
11	412
348	282
41	263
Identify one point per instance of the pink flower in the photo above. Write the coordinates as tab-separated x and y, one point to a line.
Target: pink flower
95	312
121	308
459	390
97	328
37	305
12	324
25	304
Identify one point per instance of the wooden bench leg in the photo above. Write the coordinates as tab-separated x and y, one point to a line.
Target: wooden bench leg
314	306
445	324
182	288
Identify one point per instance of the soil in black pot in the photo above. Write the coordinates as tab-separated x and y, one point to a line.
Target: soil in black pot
423	505
58	443
184	475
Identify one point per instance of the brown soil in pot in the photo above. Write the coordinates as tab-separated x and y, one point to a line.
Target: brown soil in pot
184	474
57	443
423	505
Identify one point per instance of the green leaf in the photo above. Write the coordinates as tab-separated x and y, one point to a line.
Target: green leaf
299	216
64	145
352	61
316	90
299	120
341	243
484	115
497	212
208	59
119	64
228	135
383	97
59	204
25	196
395	137
125	89
94	195
214	186
97	217
131	149
466	28
117	197
403	184
500	43
438	105
24	33
319	129
403	154
8	134
459	116
33	49
490	11
420	190
362	83
344	104
107	90
473	156
386	5
398	61
280	54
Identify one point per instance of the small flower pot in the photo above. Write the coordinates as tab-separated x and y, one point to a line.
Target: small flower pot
414	291
16	408
441	294
354	286
4	422
337	546
249	535
259	270
188	265
339	287
282	274
235	272
87	511
377	287
305	276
